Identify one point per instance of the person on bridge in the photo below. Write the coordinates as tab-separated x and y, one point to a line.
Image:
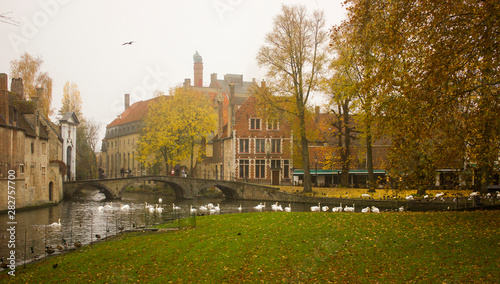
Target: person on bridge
122	172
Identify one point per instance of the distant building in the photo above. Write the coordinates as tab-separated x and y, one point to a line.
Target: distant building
119	146
31	146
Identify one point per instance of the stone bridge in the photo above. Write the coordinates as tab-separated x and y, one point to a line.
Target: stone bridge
184	187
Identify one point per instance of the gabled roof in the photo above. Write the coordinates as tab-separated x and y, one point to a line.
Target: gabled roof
70	118
136	112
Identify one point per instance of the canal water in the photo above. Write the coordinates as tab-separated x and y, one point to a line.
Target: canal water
81	220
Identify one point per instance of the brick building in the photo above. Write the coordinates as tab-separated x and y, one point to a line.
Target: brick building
31	146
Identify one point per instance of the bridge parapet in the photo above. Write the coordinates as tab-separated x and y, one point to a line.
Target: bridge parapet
184	187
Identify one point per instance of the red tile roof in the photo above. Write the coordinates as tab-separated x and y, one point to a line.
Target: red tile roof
135	112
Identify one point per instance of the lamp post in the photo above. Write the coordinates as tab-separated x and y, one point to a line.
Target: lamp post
316	161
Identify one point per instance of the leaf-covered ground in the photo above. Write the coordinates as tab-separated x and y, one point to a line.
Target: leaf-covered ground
437	247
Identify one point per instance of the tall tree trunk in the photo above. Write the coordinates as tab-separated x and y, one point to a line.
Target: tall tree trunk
305	151
369	163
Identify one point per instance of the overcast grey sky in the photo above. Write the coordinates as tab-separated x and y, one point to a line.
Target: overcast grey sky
81	41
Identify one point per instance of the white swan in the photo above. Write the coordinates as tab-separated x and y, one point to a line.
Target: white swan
217	208
109	206
337	209
125	207
275	207
316	208
365	210
58	224
158	209
175	207
259	207
289	208
409	197
375	209
401	209
239	209
160	200
203	209
100	208
325	208
349	209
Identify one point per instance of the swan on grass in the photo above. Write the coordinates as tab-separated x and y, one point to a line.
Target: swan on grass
365	210
375	209
325	208
316	208
259	207
337	209
349	209
240	209
289	208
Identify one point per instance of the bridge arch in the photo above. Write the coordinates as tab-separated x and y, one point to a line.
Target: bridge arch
179	191
108	192
227	191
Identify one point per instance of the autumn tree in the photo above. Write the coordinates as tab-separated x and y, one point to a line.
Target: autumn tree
71	100
294	54
173	127
437	74
29	69
343	87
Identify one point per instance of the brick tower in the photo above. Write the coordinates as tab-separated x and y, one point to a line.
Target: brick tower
198	70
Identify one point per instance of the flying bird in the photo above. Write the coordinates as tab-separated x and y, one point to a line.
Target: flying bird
129	43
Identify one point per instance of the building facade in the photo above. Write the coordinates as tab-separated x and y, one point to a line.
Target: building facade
31	150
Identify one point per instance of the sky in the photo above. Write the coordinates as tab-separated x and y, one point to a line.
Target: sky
81	41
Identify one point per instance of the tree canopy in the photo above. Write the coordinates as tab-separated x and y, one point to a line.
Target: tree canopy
28	68
173	126
294	54
434	66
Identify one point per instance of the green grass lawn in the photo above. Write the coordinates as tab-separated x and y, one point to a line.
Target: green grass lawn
434	247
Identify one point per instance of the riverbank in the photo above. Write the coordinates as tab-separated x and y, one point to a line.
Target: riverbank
459	247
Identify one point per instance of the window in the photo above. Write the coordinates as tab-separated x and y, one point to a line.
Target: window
272	124
260	145
275	164
244	168
21	169
254	123
43	175
260	168
32	147
244	146
44	148
275	145
286	168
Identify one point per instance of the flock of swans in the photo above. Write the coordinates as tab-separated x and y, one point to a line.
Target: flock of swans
212	209
368	209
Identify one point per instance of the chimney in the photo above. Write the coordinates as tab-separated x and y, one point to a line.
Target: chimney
198	70
16	86
187	82
230	112
3	81
127	101
213	80
4	97
263	84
